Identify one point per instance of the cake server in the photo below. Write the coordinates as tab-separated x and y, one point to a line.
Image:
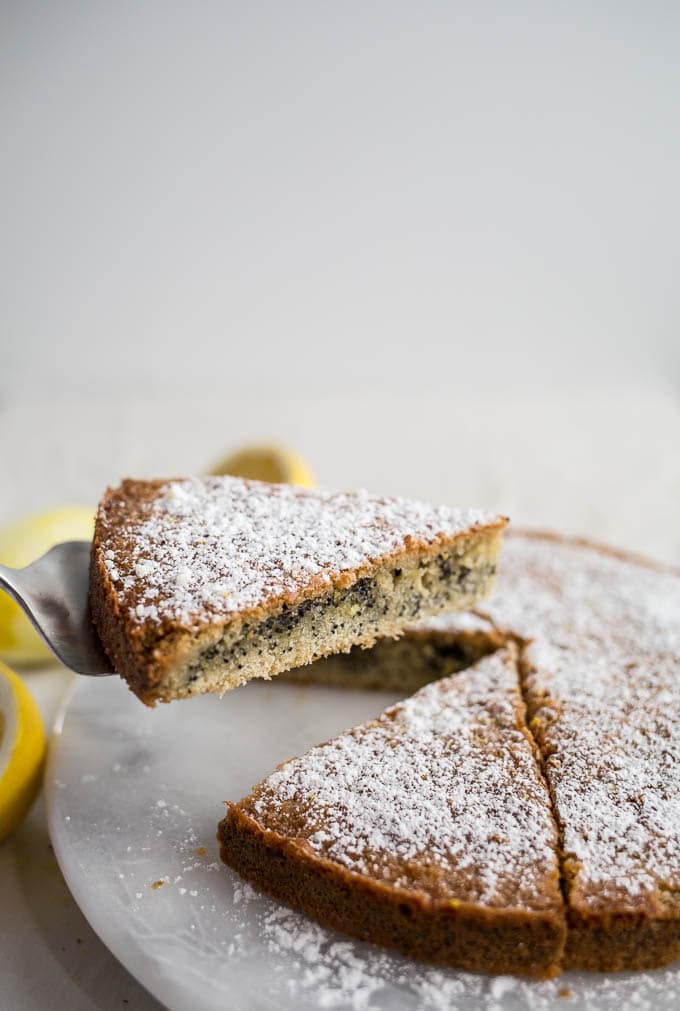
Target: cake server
53	591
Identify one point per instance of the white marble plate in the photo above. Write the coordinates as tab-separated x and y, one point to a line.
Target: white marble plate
134	799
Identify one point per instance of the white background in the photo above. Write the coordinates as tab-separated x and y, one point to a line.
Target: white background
434	245
282	196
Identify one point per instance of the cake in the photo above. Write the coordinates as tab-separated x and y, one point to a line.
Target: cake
601	674
411	830
198	585
598	639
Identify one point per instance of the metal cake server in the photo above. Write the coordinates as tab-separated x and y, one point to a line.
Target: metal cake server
53	591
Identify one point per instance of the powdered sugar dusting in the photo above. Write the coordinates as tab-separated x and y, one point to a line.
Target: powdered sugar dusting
604	643
218	545
606	648
426	796
323	970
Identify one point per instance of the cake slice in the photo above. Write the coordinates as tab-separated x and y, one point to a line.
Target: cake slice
600	669
199	585
428	829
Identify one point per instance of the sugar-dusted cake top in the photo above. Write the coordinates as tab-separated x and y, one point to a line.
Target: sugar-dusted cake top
177	550
426	796
572	593
603	635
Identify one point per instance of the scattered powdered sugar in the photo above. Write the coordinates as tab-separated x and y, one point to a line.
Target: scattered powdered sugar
428	793
321	969
603	638
206	546
250	941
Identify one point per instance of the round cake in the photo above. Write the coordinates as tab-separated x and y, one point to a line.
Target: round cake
596	636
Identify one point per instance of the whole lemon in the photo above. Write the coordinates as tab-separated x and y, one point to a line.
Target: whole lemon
267	462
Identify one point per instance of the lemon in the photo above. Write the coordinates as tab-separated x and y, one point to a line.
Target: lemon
20	544
22	750
278	464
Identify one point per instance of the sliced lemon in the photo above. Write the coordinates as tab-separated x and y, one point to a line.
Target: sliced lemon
22	750
20	544
278	464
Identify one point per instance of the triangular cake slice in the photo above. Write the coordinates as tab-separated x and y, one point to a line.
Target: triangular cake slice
600	668
199	585
428	829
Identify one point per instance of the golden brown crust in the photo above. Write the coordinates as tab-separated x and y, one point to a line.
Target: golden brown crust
460	934
142	660
620	941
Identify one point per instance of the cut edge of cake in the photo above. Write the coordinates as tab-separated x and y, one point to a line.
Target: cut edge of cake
420	655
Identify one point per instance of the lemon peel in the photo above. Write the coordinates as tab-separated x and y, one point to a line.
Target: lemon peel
22	750
267	462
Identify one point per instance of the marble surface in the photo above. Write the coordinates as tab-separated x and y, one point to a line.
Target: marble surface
134	797
49	954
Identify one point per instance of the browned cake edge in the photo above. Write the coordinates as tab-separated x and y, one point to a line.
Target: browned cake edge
144	654
617	939
601	940
460	934
620	941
